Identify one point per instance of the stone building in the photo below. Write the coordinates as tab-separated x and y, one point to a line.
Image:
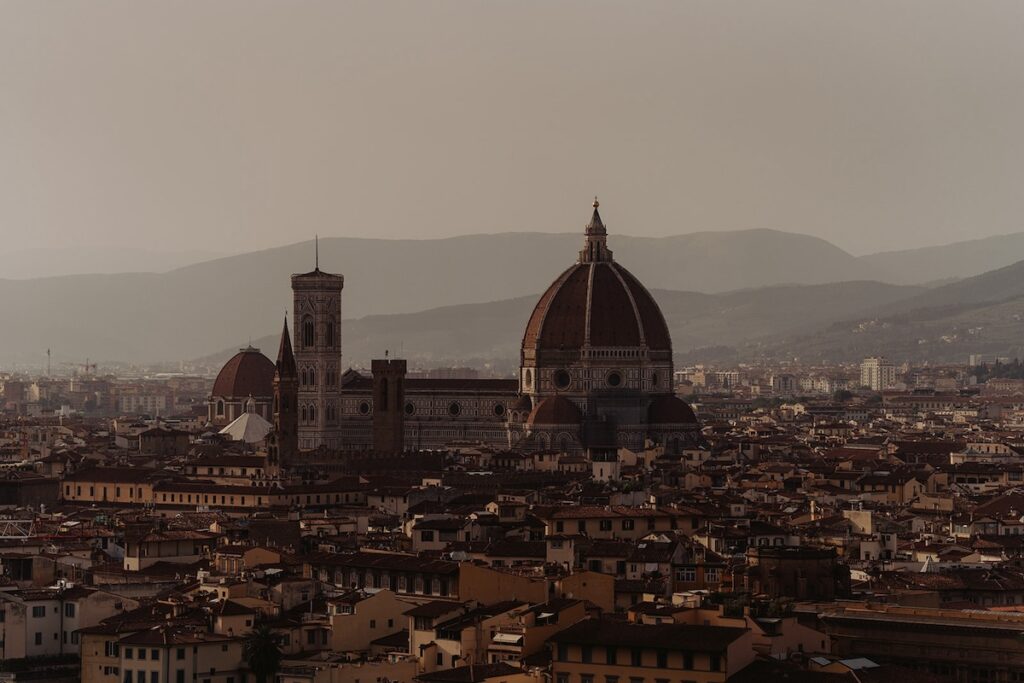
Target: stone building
596	375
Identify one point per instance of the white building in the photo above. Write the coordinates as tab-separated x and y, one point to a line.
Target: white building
877	373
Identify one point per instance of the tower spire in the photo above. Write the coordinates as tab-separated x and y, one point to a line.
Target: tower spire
595	248
316	241
286	367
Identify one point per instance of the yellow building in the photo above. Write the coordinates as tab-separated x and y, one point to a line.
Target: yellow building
122	485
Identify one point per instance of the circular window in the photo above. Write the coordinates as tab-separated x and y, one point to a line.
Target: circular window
562	379
454	409
364	408
499	409
614	379
654	380
409	409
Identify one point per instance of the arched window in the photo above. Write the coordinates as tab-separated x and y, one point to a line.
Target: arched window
303	412
220	408
304	377
329	333
383	407
312	377
308	336
312	414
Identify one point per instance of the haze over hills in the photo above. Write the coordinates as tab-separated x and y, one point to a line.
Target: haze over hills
909	266
958	260
219	304
55	261
187	312
490	334
983	314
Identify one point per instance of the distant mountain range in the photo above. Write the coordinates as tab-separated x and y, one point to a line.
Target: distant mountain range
959	260
490	334
836	322
430	297
26	264
983	314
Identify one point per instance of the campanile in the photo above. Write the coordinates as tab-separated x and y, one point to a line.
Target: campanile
317	333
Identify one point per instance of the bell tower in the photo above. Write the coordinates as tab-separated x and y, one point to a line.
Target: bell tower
317	326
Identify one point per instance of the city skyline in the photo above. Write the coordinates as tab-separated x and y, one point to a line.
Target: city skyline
321	362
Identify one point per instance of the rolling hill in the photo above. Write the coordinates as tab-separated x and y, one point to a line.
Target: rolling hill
490	334
186	312
746	292
949	261
982	314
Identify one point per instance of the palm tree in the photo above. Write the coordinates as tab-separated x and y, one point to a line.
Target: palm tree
262	653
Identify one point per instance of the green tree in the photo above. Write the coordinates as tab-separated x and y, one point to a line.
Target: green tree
262	652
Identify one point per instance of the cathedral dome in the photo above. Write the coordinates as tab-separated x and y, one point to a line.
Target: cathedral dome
596	303
248	373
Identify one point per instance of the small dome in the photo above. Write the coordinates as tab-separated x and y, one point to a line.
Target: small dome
670	410
556	410
248	373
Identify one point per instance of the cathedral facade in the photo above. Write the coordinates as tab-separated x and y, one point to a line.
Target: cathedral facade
595	376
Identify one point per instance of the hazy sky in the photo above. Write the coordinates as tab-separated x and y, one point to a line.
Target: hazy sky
236	125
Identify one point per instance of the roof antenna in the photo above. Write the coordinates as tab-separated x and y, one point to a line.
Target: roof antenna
316	239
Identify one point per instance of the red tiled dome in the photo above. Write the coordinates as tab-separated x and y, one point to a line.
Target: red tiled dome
248	373
670	410
556	410
597	304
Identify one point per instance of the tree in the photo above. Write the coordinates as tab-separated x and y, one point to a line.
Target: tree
262	652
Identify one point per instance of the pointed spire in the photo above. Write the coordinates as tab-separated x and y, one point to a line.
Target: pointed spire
316	241
596	247
596	225
286	368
